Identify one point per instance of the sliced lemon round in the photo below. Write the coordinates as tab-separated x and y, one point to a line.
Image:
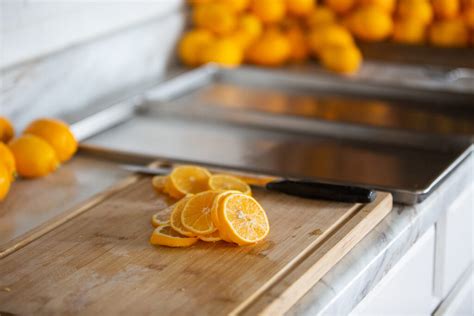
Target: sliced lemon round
165	235
228	182
244	219
196	215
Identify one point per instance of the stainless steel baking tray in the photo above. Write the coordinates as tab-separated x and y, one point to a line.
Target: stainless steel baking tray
291	124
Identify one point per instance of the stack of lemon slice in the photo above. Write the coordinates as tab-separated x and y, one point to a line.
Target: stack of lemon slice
210	208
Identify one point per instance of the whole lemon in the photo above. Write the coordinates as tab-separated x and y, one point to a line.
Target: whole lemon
300	7
340	6
369	23
385	5
269	11
216	17
191	44
6	130
299	46
469	18
446	9
420	10
8	160
328	35
5	182
223	51
320	16
449	33
409	31
271	49
198	2
34	156
236	5
248	30
341	59
57	134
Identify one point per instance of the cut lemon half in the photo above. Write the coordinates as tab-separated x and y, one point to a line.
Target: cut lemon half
196	214
187	180
228	182
175	219
166	236
212	237
243	219
158	183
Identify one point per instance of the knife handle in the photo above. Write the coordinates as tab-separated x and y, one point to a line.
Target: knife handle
324	191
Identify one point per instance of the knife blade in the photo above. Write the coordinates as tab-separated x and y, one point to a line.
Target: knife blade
301	188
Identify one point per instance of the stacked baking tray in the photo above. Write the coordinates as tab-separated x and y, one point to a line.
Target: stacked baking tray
292	124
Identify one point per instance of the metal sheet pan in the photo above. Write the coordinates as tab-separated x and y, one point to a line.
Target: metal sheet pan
292	125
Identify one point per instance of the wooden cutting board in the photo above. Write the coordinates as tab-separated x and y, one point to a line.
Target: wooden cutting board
101	262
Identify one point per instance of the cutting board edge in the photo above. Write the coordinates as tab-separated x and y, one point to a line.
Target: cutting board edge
284	293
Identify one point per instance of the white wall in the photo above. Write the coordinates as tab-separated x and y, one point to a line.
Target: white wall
33	28
58	57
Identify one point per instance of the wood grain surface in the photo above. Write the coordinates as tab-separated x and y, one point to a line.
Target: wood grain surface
101	261
33	205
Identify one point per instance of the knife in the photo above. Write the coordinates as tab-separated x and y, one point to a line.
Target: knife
301	188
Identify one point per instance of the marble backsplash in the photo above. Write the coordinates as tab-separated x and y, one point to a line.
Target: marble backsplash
92	72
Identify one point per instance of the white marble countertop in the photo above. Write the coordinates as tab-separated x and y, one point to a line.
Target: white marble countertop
342	288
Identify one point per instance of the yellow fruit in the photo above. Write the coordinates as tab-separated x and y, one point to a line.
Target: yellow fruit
198	2
223	51
187	180
269	11
271	49
57	134
385	5
191	44
299	46
300	7
162	217
6	130
8	160
218	203
449	33
5	181
34	157
468	4
155	221
446	9
320	16
328	35
369	23
212	237
236	5
248	29
165	235
420	10
341	59
409	31
158	183
175	218
244	219
469	18
340	6
196	214
215	17
228	182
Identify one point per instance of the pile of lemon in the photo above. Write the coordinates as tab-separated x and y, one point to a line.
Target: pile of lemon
274	32
41	148
210	208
